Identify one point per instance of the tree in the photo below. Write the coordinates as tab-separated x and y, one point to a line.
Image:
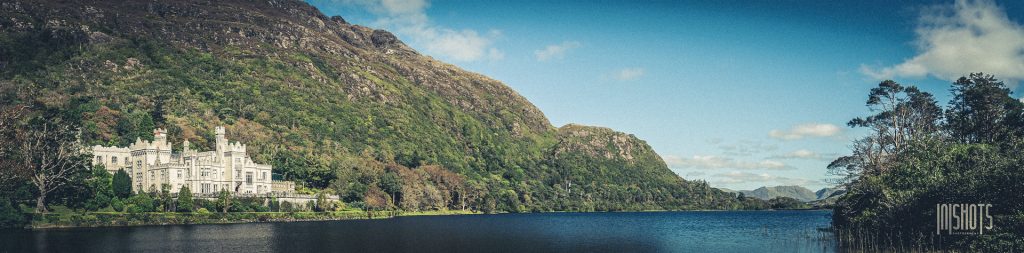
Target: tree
99	186
52	154
166	201
224	200
392	184
158	112
122	184
185	203
375	199
145	126
140	203
902	115
321	201
10	216
982	110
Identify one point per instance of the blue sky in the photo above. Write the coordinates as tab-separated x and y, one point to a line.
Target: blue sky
739	93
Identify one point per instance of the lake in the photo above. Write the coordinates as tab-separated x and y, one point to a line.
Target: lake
691	231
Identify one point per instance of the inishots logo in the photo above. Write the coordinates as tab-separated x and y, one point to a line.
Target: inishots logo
962	219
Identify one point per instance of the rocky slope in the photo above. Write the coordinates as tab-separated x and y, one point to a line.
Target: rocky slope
310	94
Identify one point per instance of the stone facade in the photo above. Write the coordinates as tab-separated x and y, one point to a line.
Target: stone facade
283	186
152	164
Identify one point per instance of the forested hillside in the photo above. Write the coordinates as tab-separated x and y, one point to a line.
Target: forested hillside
919	155
334	106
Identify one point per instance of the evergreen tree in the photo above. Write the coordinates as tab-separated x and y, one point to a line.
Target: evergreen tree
122	184
185	203
158	112
145	127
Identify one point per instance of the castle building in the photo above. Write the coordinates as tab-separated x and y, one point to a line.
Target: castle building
152	164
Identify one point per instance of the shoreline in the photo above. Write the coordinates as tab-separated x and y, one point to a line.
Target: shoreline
79	220
55	221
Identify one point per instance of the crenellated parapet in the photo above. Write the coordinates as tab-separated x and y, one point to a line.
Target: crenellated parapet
153	163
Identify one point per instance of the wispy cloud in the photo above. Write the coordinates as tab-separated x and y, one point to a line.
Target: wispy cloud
806	130
556	51
628	74
719	162
409	18
970	36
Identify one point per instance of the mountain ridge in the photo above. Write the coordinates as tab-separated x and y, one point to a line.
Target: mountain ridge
319	99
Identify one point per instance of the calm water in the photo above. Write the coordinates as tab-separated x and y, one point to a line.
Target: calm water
753	231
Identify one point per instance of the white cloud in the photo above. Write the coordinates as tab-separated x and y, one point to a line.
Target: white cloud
806	130
628	74
970	36
409	18
718	162
765	179
556	51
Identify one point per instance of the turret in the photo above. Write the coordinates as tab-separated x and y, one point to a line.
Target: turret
222	142
159	136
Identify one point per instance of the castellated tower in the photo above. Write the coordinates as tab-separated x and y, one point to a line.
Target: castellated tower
160	136
222	142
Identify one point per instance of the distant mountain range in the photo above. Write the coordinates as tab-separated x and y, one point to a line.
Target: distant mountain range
792	191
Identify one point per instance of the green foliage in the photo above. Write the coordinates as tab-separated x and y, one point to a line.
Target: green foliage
140	203
117	204
10	216
99	185
224	201
275	205
332	119
166	200
896	180
287	207
185	203
786	203
248	205
121	184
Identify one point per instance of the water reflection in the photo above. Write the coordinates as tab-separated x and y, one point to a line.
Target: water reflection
779	231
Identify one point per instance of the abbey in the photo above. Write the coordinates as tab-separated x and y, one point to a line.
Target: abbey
152	164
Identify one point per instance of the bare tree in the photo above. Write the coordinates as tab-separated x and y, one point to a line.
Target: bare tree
52	155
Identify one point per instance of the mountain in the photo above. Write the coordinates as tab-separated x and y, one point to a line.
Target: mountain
796	192
329	104
825	193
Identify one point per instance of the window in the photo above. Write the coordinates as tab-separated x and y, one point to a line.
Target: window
238	174
263	176
248	178
99	159
113	160
126	161
179	174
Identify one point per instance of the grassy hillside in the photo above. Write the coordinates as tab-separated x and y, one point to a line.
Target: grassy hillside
327	103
